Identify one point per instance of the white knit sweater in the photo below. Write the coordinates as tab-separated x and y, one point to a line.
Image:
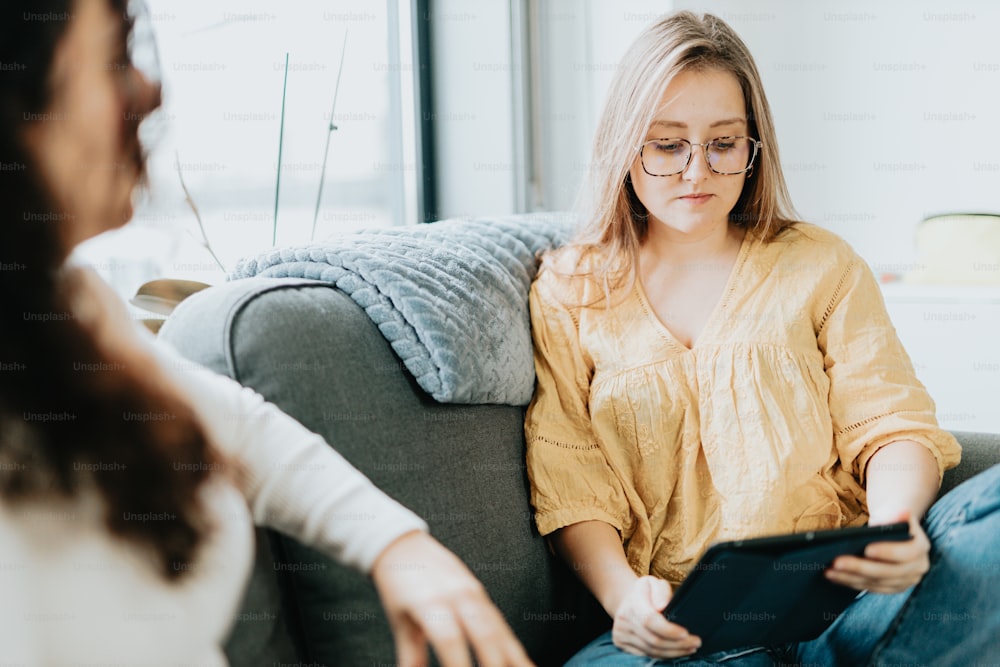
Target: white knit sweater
71	594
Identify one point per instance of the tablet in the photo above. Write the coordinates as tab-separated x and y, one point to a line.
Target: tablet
770	590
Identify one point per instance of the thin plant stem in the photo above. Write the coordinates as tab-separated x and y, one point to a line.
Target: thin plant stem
281	146
197	214
329	135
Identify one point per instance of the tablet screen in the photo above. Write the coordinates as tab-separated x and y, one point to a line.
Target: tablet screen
770	590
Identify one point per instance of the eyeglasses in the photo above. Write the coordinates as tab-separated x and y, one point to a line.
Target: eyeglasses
724	155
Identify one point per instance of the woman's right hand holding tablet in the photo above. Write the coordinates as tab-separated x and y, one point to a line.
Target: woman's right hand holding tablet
636	603
641	628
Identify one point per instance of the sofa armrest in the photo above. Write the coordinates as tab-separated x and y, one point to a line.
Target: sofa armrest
979	452
312	351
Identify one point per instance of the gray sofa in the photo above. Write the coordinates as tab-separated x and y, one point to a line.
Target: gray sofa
311	350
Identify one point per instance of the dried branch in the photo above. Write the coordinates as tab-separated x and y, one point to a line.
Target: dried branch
197	215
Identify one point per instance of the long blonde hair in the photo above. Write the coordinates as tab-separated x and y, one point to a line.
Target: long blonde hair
615	221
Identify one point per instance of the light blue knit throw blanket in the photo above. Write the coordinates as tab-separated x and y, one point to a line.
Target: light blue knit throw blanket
451	297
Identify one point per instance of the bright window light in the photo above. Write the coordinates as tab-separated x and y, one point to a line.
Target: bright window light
223	70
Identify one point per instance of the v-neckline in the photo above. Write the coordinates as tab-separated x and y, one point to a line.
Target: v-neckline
640	292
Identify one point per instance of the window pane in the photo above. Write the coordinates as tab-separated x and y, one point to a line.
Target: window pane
223	65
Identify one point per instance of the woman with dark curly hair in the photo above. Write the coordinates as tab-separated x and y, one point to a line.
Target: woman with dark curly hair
128	487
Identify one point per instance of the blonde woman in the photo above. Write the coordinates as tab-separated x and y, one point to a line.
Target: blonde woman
709	369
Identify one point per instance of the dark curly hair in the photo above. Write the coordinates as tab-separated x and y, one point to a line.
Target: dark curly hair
71	410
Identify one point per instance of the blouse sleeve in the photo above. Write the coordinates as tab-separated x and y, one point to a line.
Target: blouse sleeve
293	480
875	396
571	480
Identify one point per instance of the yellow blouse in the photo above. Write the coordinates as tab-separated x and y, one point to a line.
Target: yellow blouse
764	427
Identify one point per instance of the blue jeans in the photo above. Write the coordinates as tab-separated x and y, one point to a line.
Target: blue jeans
952	617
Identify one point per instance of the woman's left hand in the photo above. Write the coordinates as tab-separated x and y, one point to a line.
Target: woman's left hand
887	567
